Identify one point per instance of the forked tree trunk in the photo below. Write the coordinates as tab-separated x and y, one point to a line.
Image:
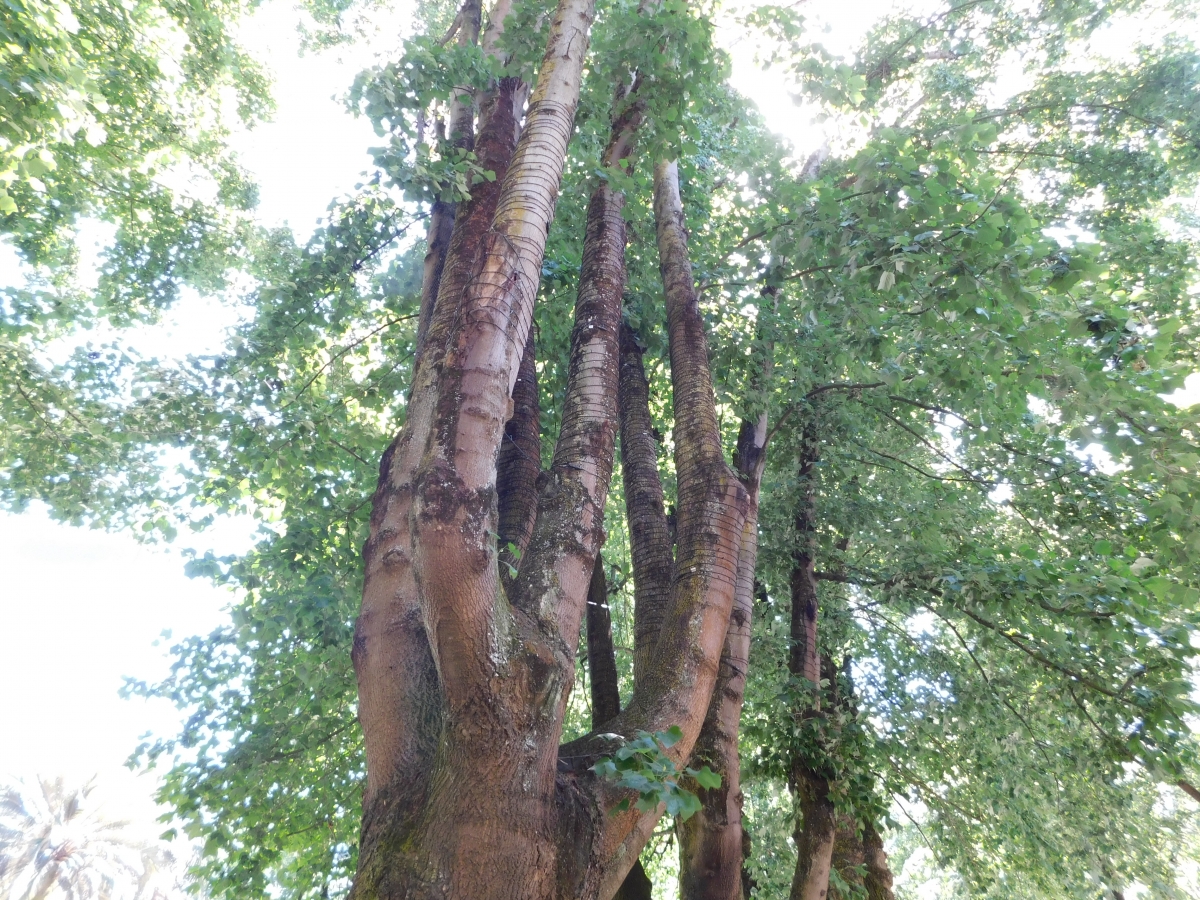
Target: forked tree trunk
456	804
464	675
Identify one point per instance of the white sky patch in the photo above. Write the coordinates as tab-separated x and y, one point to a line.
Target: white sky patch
79	611
839	26
1188	395
313	150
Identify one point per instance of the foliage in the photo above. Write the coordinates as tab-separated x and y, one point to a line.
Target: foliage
643	766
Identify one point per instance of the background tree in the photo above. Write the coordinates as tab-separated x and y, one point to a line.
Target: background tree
56	843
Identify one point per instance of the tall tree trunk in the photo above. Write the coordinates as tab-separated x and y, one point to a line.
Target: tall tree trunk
649	538
518	467
817	825
679	683
441	215
712	846
464	676
606	698
815	834
453	805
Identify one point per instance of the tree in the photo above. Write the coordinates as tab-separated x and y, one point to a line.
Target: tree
909	356
53	843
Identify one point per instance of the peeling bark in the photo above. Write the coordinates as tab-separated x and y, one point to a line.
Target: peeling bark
400	702
713	506
452	807
464	678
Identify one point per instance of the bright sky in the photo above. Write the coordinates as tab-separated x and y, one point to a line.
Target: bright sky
79	609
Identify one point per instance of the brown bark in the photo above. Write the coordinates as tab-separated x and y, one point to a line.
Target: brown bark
848	860
518	467
804	660
463	679
712	843
452	808
649	538
606	698
399	693
602	659
879	873
441	226
680	680
1188	788
441	215
817	823
815	834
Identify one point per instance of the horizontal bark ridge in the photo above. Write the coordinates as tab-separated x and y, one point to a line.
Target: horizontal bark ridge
649	537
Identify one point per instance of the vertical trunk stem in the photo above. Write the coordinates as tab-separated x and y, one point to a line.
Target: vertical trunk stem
649	538
606	698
